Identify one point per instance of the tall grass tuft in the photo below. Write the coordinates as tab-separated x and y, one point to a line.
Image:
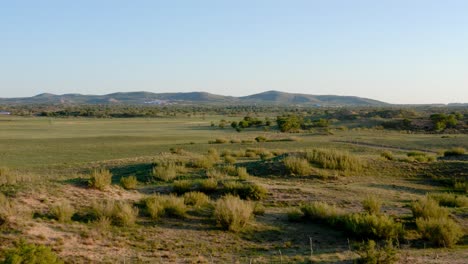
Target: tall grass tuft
62	211
171	205
100	179
125	214
232	213
428	208
454	152
242	173
450	199
372	204
165	171
322	212
440	231
196	199
297	166
335	160
129	183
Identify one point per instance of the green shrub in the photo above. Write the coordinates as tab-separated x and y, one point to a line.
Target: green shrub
175	206
124	214
259	209
387	155
249	191
371	253
165	171
121	213
242	173
230	159
203	162
103	208
215	173
155	206
62	211
322	212
229	169
182	186
372	204
372	226
427	207
335	160
100	179
232	213
7	209
454	152
129	182
197	199
449	199
440	231
30	254
461	186
297	166
208	185
295	215
160	205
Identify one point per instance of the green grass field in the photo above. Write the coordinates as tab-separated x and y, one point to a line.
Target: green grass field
56	155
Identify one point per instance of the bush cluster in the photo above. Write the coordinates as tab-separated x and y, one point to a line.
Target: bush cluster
335	160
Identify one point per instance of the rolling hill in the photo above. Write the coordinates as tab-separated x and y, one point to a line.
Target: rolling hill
269	97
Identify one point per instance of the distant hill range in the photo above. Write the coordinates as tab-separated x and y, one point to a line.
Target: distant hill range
147	98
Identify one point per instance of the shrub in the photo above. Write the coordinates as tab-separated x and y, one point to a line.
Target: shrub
335	160
387	155
203	162
155	206
242	173
218	141
230	159
249	191
208	185
322	212
440	231
121	213
215	173
100	179
232	213
182	186
372	226
124	214
449	199
415	154
461	186
165	171
230	170
175	206
295	214
427	207
30	254
7	208
454	152
370	252
260	139
298	166
197	199
259	209
62	211
129	182
372	204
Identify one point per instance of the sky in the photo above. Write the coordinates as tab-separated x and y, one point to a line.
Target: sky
397	51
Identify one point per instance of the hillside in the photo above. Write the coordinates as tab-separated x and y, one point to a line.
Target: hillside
269	97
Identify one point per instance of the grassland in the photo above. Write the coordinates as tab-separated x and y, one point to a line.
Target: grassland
48	163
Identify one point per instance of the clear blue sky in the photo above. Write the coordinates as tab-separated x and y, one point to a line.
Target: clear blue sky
399	51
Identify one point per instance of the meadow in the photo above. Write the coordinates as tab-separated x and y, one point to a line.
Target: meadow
179	190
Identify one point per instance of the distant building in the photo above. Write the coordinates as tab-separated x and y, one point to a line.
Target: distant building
5	113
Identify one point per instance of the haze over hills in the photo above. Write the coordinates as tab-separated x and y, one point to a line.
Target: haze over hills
269	97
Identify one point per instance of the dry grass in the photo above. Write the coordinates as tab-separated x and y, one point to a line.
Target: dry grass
62	211
129	183
100	179
372	204
232	213
335	160
297	166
